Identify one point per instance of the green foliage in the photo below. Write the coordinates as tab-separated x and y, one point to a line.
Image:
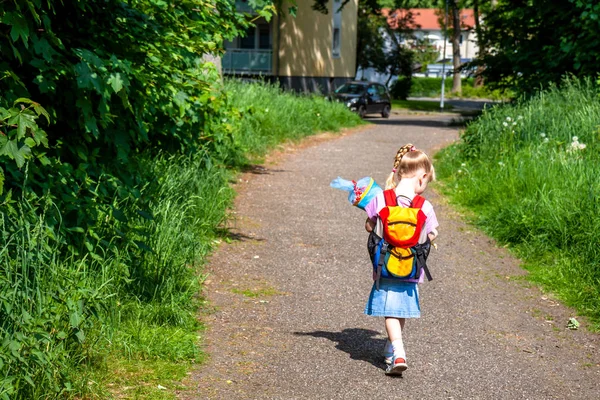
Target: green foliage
401	88
530	173
133	292
115	191
431	87
120	77
375	34
425	53
538	42
19	134
269	116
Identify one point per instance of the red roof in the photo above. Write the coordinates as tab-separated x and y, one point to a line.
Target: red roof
427	18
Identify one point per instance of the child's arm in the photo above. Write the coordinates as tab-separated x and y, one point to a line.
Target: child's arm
433	234
369	225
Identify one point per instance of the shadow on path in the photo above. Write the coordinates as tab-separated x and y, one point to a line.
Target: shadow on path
360	344
431	123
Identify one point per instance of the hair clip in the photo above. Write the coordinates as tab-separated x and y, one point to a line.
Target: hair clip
412	148
394	170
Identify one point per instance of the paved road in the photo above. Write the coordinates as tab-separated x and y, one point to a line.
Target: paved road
300	247
462	105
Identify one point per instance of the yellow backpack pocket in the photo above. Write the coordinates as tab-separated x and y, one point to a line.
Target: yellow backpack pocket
400	263
401	224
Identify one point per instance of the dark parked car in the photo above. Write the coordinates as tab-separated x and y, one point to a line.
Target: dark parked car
365	98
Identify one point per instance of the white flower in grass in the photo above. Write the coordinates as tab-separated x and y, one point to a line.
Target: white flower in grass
546	140
520	117
266	110
463	165
575	145
508	119
460	171
505	124
514	123
500	163
543	134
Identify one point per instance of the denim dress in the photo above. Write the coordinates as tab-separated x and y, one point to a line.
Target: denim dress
394	299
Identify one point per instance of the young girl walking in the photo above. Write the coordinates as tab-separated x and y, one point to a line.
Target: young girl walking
395	299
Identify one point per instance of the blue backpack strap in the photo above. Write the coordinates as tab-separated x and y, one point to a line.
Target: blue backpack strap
379	259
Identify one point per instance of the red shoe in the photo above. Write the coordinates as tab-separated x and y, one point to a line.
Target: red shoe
396	367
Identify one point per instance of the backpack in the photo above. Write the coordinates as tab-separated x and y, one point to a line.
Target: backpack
394	245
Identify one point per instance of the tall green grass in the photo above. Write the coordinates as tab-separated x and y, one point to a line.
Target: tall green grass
125	313
530	172
270	116
62	312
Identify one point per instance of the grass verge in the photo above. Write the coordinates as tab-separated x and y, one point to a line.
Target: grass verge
431	87
529	173
420	105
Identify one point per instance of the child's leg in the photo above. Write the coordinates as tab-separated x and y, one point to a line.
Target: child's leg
394	327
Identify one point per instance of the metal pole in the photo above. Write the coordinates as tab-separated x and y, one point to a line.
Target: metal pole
443	59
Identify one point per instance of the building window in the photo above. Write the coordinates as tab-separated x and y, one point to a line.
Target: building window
336	43
247	42
264	36
257	37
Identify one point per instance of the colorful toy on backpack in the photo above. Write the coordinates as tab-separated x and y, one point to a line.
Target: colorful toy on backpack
360	192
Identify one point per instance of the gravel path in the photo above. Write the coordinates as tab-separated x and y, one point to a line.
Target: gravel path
300	248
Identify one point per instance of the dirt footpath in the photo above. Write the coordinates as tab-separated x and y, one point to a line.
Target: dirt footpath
288	293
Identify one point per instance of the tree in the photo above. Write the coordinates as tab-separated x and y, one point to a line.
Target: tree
370	41
537	42
480	44
456	32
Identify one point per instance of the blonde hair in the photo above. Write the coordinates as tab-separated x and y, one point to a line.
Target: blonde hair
408	161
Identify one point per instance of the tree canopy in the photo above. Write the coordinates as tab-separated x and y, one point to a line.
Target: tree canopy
536	42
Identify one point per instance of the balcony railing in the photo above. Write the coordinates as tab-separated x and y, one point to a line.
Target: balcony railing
236	61
243	6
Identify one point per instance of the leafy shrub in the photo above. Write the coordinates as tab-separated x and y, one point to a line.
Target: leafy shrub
115	192
431	87
401	88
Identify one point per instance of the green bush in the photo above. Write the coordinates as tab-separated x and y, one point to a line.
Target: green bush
134	292
432	87
401	88
530	171
114	182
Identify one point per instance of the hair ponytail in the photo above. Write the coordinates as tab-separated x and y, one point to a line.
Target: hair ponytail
404	166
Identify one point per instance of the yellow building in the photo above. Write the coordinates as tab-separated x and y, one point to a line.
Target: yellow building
310	52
